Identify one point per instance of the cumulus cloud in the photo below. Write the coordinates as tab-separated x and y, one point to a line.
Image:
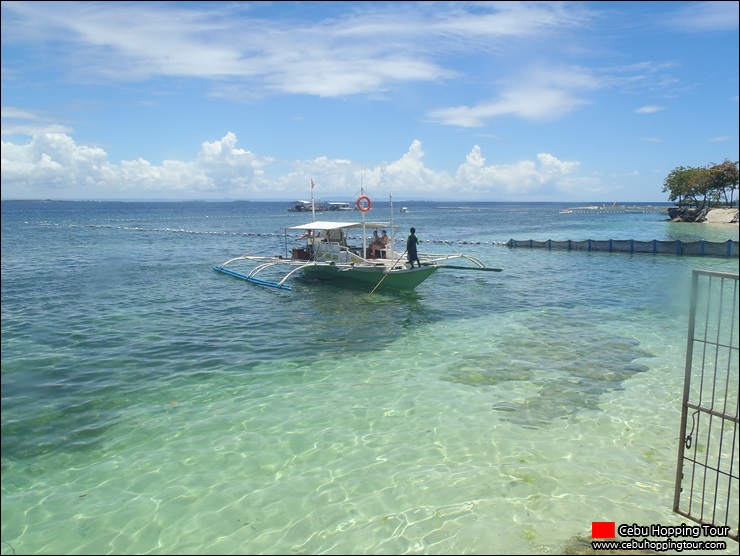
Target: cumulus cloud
526	176
52	159
410	171
55	166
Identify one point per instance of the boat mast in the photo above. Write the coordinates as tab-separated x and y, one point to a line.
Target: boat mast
393	230
364	233
313	209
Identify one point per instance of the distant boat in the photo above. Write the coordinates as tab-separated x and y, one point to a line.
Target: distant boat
338	205
317	206
308	206
403	209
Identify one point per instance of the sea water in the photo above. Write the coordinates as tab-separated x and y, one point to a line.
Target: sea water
151	405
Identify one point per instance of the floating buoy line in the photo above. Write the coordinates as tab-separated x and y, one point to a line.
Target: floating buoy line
724	249
229	234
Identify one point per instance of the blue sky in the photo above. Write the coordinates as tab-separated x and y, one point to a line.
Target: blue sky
489	101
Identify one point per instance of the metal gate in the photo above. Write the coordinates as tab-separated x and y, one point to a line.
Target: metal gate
707	482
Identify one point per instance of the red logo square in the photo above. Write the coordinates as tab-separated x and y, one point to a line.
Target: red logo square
602	529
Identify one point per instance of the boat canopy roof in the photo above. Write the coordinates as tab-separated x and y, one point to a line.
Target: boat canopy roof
319	225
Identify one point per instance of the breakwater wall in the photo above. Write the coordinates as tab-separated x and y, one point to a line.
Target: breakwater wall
700	248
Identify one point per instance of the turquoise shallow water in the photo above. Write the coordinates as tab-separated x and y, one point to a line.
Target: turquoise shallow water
151	405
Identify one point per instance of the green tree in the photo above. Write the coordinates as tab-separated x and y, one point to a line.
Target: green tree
703	187
724	181
681	185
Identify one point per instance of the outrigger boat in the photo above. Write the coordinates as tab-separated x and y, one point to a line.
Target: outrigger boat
328	254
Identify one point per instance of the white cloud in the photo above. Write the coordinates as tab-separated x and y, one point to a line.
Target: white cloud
525	176
19	113
20	121
30	130
410	171
365	48
539	94
705	16
55	166
51	159
649	109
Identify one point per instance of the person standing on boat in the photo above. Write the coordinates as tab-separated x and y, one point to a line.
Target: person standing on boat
411	244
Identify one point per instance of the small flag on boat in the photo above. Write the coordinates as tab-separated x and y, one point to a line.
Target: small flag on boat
312	184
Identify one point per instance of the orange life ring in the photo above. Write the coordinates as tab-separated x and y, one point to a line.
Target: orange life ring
364	207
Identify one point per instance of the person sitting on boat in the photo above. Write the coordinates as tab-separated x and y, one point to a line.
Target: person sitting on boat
306	234
375	245
384	239
381	244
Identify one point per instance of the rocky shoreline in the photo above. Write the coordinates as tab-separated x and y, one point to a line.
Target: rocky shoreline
707	215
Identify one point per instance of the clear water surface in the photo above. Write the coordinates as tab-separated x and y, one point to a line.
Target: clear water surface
151	405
